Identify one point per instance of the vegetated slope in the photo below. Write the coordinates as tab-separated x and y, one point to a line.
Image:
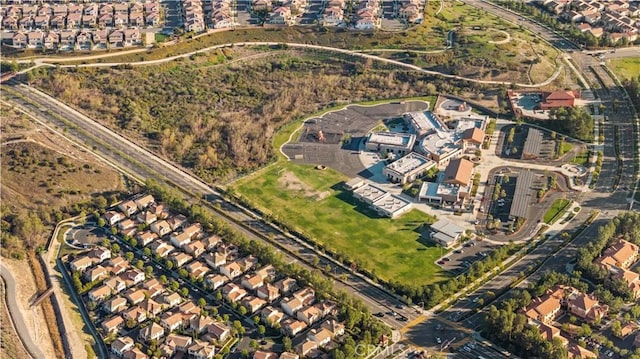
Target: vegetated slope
41	186
220	120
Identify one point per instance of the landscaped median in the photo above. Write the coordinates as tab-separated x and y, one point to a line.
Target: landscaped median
558	208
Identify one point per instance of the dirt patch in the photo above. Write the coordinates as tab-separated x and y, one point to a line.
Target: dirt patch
34	317
291	182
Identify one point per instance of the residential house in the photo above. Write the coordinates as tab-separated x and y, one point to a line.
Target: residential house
197	269
187	234
180	258
286	285
288	355
215	281
135	353
135	313
291	305
60	10
115	284
118	265
195	248
135	296
74	9
127	227
549	332
171	320
218	331
99	293
161	228
211	242
120	20
631	278
99	254
129	208
146	237
10	23
232	292
199	324
215	260
19	40
253	304
160	210
29	10
161	249
621	254
112	325
292	327
151	307
144	202
146	217
306	295
42	22
178	342
136	19
271	315
268	292
113	217
251	282
26	23
122	345
152	19
309	315
546	308
281	16
231	270
74	21
327	308
105	9
306	348
81	263
267	273
260	354
89	21
100	38
170	300
586	306
333	16
114	305
67	40
201	350
177	221
132	276
151	332
116	39
336	328
248	263
95	273
320	336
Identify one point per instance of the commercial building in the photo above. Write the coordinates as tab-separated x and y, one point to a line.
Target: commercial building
443	144
408	168
390	142
423	122
453	186
445	233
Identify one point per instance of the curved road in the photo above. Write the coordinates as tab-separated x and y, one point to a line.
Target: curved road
16	315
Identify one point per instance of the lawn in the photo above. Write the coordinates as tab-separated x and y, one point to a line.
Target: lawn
625	68
314	203
556	210
582	158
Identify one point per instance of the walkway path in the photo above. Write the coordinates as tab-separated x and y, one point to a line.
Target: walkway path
46	62
16	314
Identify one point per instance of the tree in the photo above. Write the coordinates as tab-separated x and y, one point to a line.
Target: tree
147	251
148	270
101	222
261	330
114	230
202	302
585	330
616	328
184	291
129	256
139	264
286	344
511	136
115	248
242	310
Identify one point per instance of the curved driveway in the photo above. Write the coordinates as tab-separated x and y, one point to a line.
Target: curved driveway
16	315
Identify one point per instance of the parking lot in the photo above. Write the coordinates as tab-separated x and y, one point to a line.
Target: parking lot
333	140
462	257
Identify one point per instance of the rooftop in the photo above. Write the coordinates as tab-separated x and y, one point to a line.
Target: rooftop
370	192
409	163
448	228
424	121
522	195
392	139
533	142
459	172
391	204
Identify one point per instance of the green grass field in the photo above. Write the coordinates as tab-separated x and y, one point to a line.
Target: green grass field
625	68
315	204
582	158
556	210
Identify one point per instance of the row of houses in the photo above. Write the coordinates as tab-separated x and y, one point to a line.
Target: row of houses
617	259
612	19
193	15
280	302
77	16
68	40
282	12
368	14
411	11
223	15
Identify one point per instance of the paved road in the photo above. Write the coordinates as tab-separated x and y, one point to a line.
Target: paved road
142	164
16	315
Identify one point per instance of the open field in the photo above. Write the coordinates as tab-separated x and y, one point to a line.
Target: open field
313	202
557	208
625	68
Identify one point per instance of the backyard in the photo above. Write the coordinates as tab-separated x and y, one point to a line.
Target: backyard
313	202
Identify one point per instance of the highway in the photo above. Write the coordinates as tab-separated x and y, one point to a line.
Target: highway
139	163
